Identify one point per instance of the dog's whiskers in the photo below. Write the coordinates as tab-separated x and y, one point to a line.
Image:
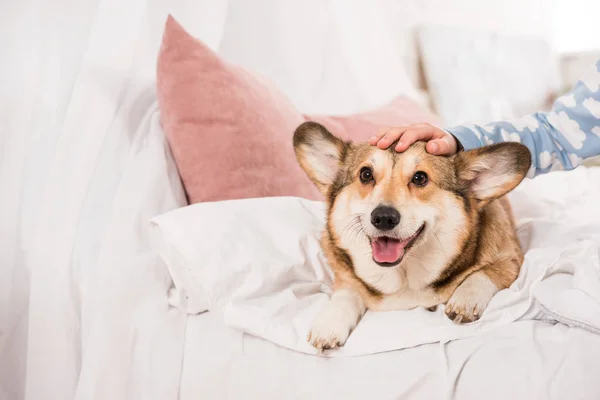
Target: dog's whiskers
354	228
440	242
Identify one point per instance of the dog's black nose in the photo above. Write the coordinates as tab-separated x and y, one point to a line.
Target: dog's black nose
385	218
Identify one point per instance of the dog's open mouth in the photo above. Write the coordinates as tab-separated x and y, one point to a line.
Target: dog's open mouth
388	252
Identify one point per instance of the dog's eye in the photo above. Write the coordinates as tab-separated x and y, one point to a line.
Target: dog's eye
366	175
420	178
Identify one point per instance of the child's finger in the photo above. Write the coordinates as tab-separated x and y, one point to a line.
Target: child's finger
390	137
414	135
439	147
375	138
381	133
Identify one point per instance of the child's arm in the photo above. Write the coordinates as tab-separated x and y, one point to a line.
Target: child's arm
559	139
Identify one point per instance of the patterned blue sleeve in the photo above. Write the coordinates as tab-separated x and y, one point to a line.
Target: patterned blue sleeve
559	139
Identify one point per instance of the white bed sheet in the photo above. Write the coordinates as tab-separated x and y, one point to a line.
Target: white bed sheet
523	360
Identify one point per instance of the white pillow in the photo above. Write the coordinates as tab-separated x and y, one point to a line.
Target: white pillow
257	264
476	76
247	261
218	250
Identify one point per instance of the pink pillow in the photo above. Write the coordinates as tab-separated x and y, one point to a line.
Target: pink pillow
231	132
360	127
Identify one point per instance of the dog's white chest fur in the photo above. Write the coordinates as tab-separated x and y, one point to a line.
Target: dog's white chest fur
385	280
402	288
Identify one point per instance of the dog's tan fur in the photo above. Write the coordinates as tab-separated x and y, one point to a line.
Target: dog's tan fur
469	249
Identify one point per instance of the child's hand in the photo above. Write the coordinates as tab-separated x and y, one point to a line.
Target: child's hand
439	142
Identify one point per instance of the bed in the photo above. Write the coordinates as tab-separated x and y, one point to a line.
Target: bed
524	360
85	297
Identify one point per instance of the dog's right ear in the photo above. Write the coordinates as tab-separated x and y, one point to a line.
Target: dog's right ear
490	172
319	153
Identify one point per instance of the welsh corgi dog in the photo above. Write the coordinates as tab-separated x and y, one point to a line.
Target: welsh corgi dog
407	230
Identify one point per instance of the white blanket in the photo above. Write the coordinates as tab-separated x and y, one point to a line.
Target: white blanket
257	265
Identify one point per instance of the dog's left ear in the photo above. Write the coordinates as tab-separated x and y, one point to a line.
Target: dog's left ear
319	153
492	171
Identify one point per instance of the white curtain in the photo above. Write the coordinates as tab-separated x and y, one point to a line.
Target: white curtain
84	166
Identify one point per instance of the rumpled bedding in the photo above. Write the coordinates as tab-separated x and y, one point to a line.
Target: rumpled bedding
257	265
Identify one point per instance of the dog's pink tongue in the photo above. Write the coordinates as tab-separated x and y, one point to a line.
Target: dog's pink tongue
387	250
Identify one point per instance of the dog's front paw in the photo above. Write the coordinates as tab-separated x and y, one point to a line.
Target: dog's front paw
463	312
330	329
467	304
471	298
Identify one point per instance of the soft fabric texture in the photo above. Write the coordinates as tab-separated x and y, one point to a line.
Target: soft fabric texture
230	131
521	361
360	127
258	266
558	139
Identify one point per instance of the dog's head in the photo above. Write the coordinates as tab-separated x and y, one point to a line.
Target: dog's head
386	204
